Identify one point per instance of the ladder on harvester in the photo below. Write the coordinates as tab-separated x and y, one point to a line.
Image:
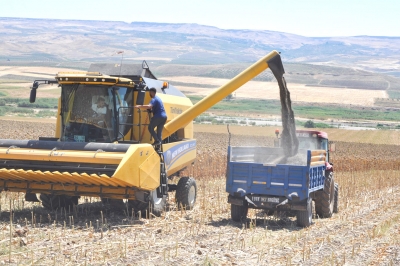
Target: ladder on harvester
162	190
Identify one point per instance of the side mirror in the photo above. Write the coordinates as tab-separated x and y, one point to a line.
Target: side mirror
165	85
32	97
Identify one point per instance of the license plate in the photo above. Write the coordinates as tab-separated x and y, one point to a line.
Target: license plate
265	199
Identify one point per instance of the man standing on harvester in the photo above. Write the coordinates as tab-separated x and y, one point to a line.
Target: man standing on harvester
159	116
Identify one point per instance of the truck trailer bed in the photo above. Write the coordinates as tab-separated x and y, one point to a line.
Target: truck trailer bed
253	170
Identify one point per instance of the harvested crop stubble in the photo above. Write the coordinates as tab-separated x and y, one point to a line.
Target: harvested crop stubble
365	231
25	130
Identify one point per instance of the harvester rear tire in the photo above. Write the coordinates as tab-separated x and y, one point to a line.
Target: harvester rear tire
336	201
324	204
304	218
239	213
186	193
54	202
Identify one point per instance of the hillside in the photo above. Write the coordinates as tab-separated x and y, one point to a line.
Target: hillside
318	70
65	40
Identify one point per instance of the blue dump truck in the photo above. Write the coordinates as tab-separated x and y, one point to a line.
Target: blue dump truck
263	178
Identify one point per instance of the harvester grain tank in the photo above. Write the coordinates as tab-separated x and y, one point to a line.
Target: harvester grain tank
109	154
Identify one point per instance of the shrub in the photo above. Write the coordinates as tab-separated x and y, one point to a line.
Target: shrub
309	124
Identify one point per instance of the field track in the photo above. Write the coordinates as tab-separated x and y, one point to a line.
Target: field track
366	231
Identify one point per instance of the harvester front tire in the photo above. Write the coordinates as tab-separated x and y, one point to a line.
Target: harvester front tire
239	213
138	206
54	202
324	204
186	193
155	205
113	203
304	218
336	201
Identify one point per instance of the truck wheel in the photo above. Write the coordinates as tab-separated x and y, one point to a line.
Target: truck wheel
239	213
155	205
325	202
304	218
53	202
336	200
186	192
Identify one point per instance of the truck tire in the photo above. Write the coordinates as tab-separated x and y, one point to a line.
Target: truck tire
155	205
336	200
239	213
54	202
304	218
186	193
325	202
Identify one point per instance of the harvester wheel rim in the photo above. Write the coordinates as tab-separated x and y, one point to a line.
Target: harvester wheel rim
156	200
192	195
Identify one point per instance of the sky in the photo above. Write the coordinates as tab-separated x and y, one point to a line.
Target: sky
312	18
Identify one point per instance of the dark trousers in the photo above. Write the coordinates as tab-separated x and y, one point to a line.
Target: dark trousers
158	122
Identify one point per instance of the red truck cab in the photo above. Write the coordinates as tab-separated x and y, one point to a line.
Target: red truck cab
312	140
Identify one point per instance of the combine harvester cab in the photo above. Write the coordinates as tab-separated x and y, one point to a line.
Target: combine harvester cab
102	147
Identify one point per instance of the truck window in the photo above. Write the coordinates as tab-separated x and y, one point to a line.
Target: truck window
324	144
308	143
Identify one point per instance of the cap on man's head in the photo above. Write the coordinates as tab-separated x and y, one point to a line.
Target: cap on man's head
153	90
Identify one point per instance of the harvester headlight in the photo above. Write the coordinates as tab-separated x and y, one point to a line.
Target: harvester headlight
87	79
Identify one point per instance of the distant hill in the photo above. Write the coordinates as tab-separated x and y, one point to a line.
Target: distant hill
193	49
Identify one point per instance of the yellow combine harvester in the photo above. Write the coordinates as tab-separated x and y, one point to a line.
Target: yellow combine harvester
109	155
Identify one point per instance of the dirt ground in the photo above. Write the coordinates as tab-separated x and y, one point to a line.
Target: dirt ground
366	231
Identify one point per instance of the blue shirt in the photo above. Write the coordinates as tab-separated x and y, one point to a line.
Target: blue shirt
158	108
